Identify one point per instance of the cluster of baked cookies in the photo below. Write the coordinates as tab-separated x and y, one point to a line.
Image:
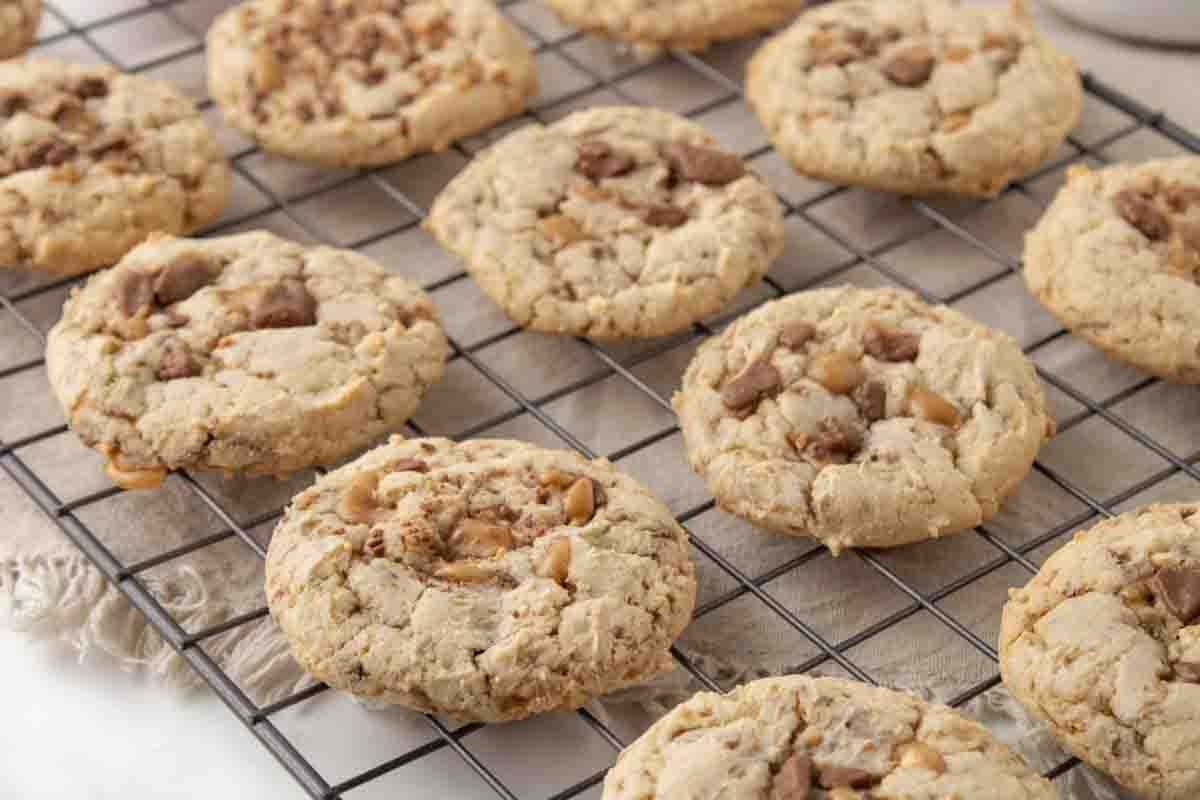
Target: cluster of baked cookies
491	579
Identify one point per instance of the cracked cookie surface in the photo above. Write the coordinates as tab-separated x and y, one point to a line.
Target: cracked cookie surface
613	222
1103	645
92	161
19	20
802	738
1116	257
244	353
486	580
861	417
363	82
914	96
688	24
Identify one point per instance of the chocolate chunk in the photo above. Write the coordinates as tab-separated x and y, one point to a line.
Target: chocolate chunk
1179	590
597	160
1139	211
181	279
135	292
838	55
108	142
176	361
795	335
835	442
177	320
90	87
911	66
871	398
12	103
794	780
757	380
703	164
1182	196
1188	671
287	304
833	777
890	344
410	465
665	216
47	152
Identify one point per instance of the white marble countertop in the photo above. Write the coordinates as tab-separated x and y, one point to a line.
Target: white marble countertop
98	733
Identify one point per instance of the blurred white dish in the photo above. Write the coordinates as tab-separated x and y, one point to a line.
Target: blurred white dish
1166	21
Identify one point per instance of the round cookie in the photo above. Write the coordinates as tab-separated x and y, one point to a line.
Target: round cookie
613	222
363	82
1103	645
861	417
914	96
19	20
487	580
687	24
92	161
788	738
244	353
1116	257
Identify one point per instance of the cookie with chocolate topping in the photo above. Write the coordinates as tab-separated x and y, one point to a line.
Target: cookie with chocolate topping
613	222
1103	645
914	96
247	354
486	580
802	738
364	82
92	161
861	417
1116	257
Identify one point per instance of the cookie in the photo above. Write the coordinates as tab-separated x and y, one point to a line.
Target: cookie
914	96
796	737
1116	257
861	417
244	353
19	21
93	161
613	222
363	82
487	580
1103	645
686	24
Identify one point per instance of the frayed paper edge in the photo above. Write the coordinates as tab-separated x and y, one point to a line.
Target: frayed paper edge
63	597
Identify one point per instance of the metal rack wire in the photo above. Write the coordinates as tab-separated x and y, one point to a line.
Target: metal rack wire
609	363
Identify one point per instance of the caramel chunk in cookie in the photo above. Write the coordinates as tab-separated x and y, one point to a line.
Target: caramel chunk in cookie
1179	590
286	304
932	407
556	561
597	160
794	780
1139	210
839	372
890	344
759	379
181	279
705	165
911	66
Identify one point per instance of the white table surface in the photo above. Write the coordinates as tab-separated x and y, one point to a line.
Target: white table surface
98	733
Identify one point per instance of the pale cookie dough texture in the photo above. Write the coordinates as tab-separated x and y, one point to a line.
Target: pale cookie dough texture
613	222
93	161
1103	645
687	24
246	354
861	417
1116	257
914	96
363	82
19	21
487	580
801	738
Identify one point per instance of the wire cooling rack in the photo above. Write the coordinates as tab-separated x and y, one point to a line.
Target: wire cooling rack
872	240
